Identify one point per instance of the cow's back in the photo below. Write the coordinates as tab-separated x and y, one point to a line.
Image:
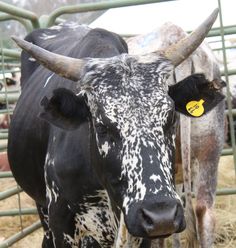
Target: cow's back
61	39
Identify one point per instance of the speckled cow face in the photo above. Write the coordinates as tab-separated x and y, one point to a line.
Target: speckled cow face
133	118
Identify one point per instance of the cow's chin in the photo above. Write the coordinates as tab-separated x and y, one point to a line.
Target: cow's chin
145	236
159	237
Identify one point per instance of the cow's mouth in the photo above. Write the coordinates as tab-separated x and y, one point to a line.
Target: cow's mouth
160	236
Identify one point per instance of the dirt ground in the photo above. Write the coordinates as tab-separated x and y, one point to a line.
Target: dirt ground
225	209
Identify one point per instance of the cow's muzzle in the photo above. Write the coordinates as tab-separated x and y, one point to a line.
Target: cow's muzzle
157	220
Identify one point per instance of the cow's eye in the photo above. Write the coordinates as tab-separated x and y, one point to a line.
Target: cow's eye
110	133
101	129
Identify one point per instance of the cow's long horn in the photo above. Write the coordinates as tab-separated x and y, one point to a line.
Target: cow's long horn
64	66
177	53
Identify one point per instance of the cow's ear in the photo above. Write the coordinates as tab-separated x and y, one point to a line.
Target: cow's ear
195	95
64	109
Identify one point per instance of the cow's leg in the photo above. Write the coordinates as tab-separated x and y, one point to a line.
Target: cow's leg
190	233
207	142
47	239
207	146
206	190
62	224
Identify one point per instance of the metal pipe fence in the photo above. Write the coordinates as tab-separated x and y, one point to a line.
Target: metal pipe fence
9	192
10	59
20	235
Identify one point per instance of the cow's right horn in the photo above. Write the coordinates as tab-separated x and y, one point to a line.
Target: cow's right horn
177	53
66	67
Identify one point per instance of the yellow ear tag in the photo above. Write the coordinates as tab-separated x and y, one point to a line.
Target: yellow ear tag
195	108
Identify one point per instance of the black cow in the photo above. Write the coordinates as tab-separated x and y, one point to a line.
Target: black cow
100	152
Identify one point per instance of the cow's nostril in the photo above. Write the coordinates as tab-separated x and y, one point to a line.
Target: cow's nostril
179	221
146	218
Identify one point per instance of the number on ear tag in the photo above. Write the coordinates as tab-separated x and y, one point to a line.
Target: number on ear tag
195	108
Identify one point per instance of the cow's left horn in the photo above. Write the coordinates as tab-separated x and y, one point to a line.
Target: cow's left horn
177	53
66	67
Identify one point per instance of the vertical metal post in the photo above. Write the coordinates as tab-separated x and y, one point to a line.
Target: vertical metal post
227	81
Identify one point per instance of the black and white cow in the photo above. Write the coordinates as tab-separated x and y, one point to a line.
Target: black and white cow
100	162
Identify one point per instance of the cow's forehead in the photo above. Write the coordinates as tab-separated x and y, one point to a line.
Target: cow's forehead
127	71
137	109
127	85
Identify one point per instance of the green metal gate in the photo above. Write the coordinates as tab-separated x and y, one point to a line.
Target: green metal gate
10	59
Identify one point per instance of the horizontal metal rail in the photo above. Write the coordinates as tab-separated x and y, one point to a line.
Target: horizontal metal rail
227	151
5	174
10	92
85	7
226	191
3	148
5	111
9	71
10	192
27	25
227	31
233	111
4	130
16	212
220	192
11	98
9	61
217	31
3	136
20	235
221	48
10	52
230	72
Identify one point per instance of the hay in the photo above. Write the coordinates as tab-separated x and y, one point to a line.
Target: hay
12	225
225	210
225	206
225	229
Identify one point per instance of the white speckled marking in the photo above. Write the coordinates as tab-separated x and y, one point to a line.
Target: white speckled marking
90	220
47	37
155	177
32	59
48	79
